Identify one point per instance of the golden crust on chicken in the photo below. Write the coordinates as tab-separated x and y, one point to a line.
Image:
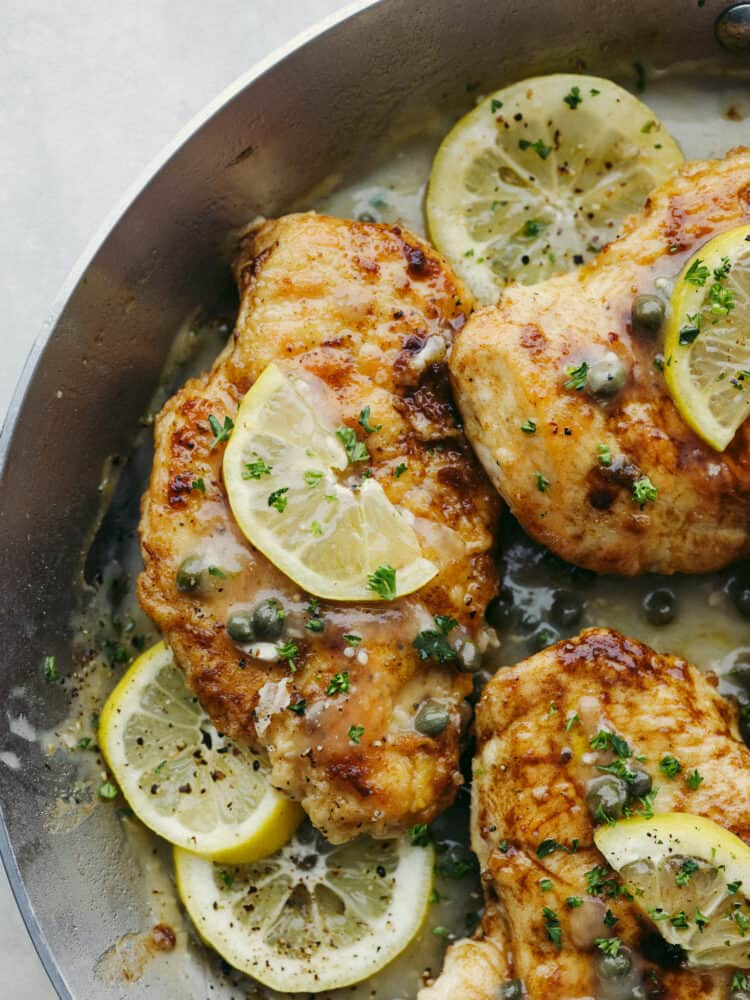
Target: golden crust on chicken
370	311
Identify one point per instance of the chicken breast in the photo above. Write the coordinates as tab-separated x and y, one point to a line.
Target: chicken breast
510	367
371	312
533	762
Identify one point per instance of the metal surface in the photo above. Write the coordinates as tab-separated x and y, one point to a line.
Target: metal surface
279	131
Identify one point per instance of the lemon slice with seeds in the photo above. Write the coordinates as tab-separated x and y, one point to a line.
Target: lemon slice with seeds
183	779
692	878
540	175
707	338
295	486
313	917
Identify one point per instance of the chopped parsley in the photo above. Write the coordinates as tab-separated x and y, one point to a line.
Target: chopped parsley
742	921
287	651
355	450
644	491
670	766
532	228
400	469
541	482
732	887
690	330
278	499
383	582
610	946
610	919
694	779
432	644
226	878
51	673
495	105
298	707
316	529
604	454
739	982
545	884
529	427
573	99
688	868
679	919
538	146
339	683
606	740
313	477
572	721
602	881
552	926
573	902
549	845
355	733
721	299
315	624
108	790
697	274
351	639
256	469
576	376
198	484
700	920
220	433
722	270
420	835
364	421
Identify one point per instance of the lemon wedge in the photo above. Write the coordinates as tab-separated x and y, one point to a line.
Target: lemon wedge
181	778
707	338
692	878
295	486
540	175
312	917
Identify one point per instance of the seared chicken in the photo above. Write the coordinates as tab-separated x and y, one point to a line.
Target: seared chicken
533	762
371	311
576	469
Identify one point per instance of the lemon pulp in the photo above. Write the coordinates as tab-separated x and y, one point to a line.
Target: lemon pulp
707	338
283	471
313	916
691	876
183	779
540	175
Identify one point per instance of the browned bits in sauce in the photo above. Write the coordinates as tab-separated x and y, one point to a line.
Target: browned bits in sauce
164	937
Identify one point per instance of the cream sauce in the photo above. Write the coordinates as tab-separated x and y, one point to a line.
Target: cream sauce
706	115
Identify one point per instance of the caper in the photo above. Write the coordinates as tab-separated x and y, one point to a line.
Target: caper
641	784
648	312
240	626
432	718
659	606
366	217
567	608
512	990
544	636
468	659
190	574
499	613
606	376
606	796
268	620
614	966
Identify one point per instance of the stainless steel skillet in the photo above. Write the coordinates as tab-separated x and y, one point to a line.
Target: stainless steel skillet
302	115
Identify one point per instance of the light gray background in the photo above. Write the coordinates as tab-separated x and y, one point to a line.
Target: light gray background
90	91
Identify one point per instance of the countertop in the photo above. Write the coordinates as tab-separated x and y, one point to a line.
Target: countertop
92	91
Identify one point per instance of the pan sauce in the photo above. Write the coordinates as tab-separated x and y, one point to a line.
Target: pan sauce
707	117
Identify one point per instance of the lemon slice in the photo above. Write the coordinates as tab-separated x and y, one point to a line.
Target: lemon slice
691	877
297	492
707	338
181	778
313	917
540	175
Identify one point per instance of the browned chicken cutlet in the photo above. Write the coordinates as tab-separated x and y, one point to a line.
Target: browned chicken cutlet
531	772
571	482
370	311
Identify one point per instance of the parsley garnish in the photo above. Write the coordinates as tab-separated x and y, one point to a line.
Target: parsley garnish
433	643
364	421
541	482
721	299
298	707
573	99
552	926
400	469
278	499
687	869
355	450
610	919
601	881
679	919
670	766
315	625
697	274
550	845
355	733
420	835
604	454
605	740
732	887
532	228
339	683
254	470
694	779
198	484
545	884
287	651
577	376
220	433
383	582
351	639
51	673
108	790
313	477
226	878
739	981
690	330
538	146
573	902
644	491
495	105
742	921
572	720
316	529
610	946
529	427
722	270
